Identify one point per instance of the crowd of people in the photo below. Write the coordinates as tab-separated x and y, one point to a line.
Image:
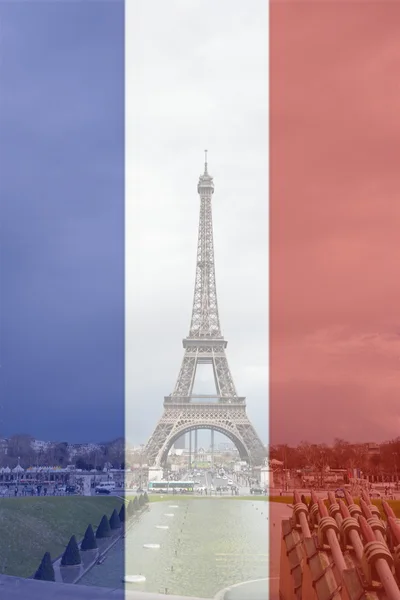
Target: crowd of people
13	490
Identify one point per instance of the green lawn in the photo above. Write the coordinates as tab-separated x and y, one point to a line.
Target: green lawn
394	504
281	499
170	497
29	527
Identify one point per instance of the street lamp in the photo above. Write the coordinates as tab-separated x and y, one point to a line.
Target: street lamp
322	468
18	472
141	465
395	454
284	470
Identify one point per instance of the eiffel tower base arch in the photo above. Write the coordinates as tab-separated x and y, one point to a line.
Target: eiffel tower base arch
228	419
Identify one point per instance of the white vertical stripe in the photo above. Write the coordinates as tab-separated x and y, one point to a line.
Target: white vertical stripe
196	78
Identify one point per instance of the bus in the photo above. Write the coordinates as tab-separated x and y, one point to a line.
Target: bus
178	487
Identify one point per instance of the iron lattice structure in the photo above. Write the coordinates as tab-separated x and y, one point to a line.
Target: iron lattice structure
226	411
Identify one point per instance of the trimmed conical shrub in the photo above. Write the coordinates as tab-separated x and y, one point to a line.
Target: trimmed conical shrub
115	523
141	500
89	541
45	571
71	555
122	513
146	498
136	505
103	529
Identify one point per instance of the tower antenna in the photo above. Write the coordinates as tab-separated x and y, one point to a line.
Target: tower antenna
205	161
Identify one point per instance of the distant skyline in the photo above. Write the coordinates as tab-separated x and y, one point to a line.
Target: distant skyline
62	220
335	216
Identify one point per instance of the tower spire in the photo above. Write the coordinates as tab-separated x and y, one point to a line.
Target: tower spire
205	162
205	318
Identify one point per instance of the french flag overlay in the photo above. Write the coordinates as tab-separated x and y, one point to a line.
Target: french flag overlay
61	254
335	213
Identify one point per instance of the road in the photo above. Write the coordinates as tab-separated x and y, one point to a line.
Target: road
205	480
212	483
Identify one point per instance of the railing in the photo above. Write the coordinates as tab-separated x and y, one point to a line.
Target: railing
340	550
238	401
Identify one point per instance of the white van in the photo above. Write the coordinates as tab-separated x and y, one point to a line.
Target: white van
105	487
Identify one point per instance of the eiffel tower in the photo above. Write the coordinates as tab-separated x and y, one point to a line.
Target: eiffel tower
185	411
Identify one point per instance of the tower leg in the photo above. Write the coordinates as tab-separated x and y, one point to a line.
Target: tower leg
212	449
190	450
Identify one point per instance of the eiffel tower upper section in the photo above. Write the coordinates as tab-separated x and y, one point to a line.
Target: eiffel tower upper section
205	343
205	317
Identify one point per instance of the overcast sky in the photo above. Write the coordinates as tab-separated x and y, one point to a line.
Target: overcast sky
335	221
62	220
196	78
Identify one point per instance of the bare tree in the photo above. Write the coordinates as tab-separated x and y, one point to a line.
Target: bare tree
20	446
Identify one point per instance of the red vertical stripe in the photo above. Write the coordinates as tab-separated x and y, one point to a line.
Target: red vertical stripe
334	222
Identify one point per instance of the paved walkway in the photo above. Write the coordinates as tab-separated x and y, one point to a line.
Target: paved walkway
16	588
73	574
262	589
277	512
251	590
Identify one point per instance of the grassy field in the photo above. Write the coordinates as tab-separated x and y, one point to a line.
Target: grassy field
29	527
170	498
282	499
394	504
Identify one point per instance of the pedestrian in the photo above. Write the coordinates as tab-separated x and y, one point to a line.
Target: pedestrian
16	491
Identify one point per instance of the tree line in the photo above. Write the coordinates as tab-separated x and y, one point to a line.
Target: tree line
371	459
19	448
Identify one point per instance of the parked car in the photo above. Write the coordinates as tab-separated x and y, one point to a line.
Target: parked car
256	490
109	486
375	494
71	489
